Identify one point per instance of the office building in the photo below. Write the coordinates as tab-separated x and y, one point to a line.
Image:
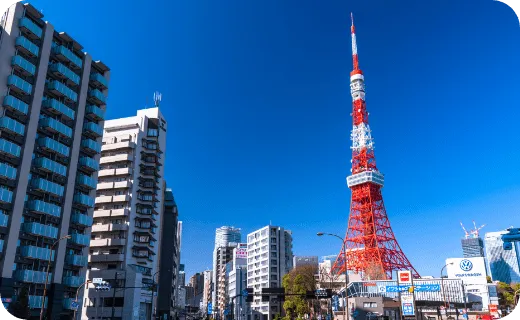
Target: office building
206	295
237	282
53	103
226	239
472	247
182	276
169	257
197	282
128	212
269	258
305	261
503	265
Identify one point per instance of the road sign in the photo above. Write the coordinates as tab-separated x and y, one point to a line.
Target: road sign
226	312
417	288
210	308
74	305
244	292
97	280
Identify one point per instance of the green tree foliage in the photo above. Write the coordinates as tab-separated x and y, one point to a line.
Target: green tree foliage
20	308
488	278
298	281
506	293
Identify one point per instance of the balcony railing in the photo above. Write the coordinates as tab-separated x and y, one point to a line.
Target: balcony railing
50	166
6	196
43	207
95	113
91	127
96	96
91	145
99	80
82	219
7	171
33	252
89	163
57	107
80	239
76	260
54	146
47	186
65	54
15	105
63	72
73	281
31	276
39	229
56	127
116	158
19	85
62	90
27	68
30	27
86	181
4	220
12	126
114	257
9	148
35	302
84	200
27	47
1	245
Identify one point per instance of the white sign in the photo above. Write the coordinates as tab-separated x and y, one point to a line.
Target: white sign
241	251
97	280
404	277
470	270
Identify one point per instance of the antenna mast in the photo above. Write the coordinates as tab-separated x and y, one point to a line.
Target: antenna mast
157	97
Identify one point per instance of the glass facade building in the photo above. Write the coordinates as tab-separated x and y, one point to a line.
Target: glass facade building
503	265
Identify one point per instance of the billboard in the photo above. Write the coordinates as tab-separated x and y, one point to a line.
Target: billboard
470	270
407	305
405	277
241	251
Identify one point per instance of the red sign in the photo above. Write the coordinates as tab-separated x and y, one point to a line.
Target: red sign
493	308
405	276
369	284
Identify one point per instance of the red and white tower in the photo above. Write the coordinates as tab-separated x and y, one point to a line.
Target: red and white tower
371	247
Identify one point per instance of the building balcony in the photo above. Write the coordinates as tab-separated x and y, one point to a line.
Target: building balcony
96	96
122	184
89	164
48	165
111	213
107	242
76	260
73	282
83	200
46	186
109	227
30	276
4	220
119	145
93	129
53	146
95	113
27	47
19	85
114	172
81	219
105	186
62	90
30	28
106	258
90	146
99	81
33	252
103	199
23	66
38	229
121	198
65	55
35	302
7	172
9	149
63	72
54	126
43	207
80	239
86	181
58	108
12	126
15	105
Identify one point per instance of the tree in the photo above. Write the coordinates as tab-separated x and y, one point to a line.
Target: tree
488	278
298	281
506	294
20	308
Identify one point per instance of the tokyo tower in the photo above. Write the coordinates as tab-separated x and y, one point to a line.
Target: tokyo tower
370	244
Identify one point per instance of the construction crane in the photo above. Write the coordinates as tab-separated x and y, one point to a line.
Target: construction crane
466	233
513	235
474	233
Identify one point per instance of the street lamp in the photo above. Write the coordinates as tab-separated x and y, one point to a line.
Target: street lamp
47	274
153	289
77	292
442	285
319	234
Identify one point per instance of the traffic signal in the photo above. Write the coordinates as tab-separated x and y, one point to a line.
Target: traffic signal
249	294
103	286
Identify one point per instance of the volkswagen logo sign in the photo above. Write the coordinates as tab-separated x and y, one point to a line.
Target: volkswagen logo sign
466	265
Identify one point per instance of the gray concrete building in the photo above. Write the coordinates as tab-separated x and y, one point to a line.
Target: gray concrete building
305	261
53	102
128	212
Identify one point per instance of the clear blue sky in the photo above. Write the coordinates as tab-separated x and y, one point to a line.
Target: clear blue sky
256	95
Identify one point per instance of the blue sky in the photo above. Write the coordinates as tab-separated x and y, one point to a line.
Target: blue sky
256	95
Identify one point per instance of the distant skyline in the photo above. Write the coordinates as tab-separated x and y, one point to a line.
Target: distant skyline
256	95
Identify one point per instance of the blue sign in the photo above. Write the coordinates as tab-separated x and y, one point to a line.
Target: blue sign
74	305
417	288
466	265
408	309
226	312
244	293
335	303
210	308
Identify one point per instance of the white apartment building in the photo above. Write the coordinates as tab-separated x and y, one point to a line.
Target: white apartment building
237	282
269	258
206	295
127	215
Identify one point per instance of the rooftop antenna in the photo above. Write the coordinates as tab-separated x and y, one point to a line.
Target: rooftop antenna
157	97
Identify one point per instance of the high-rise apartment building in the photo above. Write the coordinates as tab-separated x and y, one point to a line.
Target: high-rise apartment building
197	282
128	212
168	259
53	105
237	282
472	247
226	239
269	258
206	295
503	265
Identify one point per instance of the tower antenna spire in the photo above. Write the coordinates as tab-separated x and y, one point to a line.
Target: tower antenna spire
355	58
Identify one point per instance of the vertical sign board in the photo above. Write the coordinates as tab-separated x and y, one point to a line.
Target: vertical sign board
210	308
407	305
241	251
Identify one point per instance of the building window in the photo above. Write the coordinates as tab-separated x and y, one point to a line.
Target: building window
369	305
